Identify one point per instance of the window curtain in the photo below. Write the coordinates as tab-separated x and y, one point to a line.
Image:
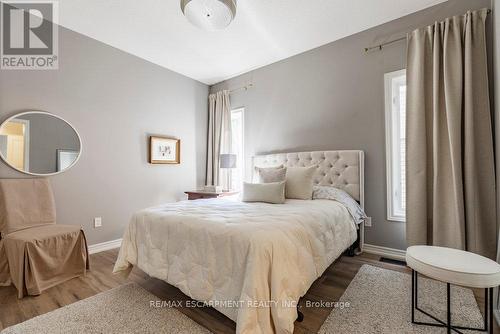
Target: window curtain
496	290
219	136
450	161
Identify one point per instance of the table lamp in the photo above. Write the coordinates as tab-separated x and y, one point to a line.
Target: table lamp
228	161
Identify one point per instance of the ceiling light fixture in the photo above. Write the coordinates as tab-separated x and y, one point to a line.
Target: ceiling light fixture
209	14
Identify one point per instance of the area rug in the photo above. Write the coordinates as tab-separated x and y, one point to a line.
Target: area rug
125	309
379	302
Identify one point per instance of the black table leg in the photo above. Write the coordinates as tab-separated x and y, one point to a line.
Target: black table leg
413	296
488	310
416	289
448	306
492	321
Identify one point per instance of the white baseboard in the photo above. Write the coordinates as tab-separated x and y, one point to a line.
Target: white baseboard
390	253
372	249
104	246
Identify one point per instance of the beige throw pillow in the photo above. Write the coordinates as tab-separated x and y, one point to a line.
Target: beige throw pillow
299	182
271	174
264	192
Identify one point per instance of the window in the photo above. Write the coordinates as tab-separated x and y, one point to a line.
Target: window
395	133
14	143
237	128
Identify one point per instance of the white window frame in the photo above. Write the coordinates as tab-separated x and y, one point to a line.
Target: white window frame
392	151
242	111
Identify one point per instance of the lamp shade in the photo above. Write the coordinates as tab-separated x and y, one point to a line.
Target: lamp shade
227	160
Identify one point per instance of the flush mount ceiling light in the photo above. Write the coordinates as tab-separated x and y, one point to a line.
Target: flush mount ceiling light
209	14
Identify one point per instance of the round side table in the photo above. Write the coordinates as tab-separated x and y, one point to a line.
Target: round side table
453	266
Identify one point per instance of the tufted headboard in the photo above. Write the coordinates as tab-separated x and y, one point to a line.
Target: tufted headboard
340	169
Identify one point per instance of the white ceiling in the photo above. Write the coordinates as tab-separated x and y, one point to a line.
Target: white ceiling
263	32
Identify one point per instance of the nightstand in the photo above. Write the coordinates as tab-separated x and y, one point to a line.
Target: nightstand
198	194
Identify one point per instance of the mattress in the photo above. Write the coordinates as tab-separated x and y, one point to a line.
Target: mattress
250	261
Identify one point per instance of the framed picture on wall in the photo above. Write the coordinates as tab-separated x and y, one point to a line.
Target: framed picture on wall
164	150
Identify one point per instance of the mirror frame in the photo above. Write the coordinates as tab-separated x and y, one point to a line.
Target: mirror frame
30	112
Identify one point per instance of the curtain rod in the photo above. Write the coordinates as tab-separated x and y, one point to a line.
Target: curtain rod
246	87
380	46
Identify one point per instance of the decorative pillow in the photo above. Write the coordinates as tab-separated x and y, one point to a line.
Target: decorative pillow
339	195
299	182
271	174
264	192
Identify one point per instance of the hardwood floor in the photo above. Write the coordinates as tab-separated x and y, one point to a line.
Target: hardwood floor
328	287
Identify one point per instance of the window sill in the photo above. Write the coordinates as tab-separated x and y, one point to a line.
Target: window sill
397	219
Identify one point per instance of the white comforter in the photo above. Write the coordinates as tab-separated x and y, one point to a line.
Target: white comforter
259	257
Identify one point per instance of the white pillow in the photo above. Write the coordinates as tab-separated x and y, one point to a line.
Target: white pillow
271	174
264	192
299	182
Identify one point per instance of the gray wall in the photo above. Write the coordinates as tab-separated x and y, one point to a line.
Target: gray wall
114	100
47	135
333	98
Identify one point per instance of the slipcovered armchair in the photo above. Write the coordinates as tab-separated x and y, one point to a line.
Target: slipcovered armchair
35	253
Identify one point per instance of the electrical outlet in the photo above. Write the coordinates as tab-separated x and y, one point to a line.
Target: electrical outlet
368	222
97	222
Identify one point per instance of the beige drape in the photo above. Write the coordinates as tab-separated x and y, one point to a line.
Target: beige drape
219	135
450	161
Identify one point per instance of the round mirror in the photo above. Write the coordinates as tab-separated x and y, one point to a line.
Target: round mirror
39	143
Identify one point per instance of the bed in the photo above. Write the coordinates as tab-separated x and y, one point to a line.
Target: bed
250	261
